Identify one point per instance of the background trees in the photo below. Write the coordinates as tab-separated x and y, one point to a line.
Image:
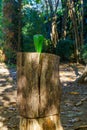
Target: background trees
10	28
32	23
37	17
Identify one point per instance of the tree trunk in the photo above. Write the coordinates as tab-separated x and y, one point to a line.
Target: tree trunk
39	91
10	29
19	47
54	32
83	78
53	6
72	14
10	20
64	19
45	123
81	23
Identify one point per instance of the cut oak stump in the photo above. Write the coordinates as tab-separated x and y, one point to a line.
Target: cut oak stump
39	91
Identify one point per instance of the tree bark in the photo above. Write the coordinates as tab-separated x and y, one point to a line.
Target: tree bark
19	47
81	22
54	33
45	123
72	14
10	20
53	10
39	91
64	19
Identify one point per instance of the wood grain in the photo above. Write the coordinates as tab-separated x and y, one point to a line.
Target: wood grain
46	123
39	89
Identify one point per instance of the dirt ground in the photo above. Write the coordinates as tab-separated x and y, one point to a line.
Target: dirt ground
73	103
74	98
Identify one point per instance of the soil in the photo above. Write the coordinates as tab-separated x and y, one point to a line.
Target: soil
73	101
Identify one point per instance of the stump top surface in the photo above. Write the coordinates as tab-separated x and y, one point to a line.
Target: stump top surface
36	53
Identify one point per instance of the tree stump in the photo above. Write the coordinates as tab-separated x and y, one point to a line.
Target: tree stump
39	91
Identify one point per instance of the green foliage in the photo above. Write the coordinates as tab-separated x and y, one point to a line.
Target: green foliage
32	23
65	49
83	53
48	47
10	56
4	50
38	42
37	1
7	54
37	20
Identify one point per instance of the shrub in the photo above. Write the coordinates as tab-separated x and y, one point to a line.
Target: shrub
65	49
48	46
11	56
83	53
28	47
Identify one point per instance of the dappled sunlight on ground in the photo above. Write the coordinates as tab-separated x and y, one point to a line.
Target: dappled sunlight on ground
74	97
8	96
69	72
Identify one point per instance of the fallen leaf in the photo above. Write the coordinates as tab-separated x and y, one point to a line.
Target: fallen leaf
69	104
74	93
79	103
84	99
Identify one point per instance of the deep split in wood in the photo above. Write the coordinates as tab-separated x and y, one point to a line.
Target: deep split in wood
39	91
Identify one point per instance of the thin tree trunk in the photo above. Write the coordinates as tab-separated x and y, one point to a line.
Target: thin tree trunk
53	10
54	33
81	22
19	27
64	19
75	26
10	25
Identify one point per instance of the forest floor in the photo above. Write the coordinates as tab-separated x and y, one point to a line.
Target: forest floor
73	104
